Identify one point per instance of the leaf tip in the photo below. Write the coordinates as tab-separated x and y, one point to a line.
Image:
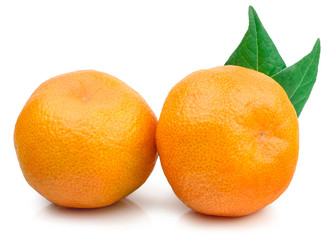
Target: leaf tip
253	17
317	44
251	11
316	48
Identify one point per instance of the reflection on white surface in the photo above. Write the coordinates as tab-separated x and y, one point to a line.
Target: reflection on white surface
117	213
260	217
153	199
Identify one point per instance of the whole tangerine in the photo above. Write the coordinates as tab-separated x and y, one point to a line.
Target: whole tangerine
228	140
85	139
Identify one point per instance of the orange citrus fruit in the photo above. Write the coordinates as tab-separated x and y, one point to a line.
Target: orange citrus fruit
228	140
85	139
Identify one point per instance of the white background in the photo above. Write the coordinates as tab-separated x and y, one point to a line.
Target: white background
151	45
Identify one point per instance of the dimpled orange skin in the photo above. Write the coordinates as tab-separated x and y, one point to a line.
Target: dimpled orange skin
85	139
228	140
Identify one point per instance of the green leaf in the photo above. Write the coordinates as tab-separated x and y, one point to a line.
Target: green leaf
256	50
298	79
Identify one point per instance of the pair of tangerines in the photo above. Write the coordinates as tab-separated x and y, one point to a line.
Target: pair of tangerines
227	139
